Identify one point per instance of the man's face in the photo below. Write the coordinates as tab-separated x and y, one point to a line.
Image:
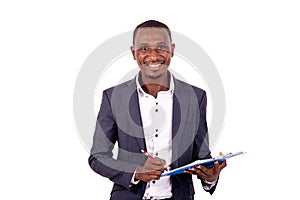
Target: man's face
153	51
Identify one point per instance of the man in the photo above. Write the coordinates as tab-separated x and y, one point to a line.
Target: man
157	113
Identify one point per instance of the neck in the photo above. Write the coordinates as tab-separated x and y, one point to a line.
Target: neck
153	87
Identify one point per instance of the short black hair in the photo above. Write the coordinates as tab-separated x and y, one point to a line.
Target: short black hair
154	24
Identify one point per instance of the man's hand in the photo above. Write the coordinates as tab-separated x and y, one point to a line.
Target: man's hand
152	170
208	174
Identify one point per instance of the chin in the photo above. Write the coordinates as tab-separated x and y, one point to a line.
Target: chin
154	76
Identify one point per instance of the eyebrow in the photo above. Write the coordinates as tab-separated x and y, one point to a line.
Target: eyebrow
142	44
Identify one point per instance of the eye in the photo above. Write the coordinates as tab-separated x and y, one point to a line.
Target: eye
162	47
144	48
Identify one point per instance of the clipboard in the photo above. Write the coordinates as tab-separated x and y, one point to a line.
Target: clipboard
205	162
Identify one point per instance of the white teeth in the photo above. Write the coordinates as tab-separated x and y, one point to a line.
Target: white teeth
154	65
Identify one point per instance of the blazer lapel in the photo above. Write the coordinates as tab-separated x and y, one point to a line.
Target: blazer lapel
130	100
180	111
176	116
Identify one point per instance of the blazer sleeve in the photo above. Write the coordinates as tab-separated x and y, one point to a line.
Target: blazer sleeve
201	142
202	138
105	136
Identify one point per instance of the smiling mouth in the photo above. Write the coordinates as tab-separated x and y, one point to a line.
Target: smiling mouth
154	65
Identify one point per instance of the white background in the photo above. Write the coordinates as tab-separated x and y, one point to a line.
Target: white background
254	45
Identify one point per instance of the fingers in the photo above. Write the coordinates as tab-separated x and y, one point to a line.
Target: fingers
155	164
156	161
191	171
199	171
208	171
155	177
223	165
221	154
152	169
211	174
163	162
154	172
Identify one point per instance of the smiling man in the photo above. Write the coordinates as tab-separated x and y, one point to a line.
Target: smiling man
157	113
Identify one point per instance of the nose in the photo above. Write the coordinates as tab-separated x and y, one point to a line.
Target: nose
153	53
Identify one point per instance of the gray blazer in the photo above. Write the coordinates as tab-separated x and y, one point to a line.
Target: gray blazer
119	120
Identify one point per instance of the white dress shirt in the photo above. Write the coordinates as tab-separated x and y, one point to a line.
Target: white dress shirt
156	116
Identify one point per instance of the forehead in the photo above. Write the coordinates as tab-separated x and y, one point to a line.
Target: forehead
152	35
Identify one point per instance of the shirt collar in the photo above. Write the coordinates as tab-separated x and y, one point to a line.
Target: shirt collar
142	92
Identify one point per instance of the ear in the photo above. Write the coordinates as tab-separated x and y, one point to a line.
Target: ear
133	52
172	49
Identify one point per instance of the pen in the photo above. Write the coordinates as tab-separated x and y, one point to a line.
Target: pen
151	157
147	154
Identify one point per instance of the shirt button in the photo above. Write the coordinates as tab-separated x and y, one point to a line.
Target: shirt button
156	110
156	130
156	135
151	197
156	154
156	103
153	182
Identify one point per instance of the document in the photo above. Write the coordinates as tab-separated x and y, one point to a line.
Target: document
205	162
